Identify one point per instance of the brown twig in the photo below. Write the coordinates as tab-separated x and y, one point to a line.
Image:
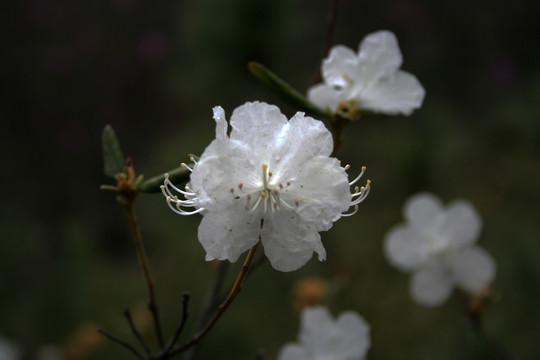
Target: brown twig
330	30
143	261
236	288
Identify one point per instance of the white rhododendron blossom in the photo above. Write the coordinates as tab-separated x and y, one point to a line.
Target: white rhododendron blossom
8	351
370	79
323	338
271	180
437	244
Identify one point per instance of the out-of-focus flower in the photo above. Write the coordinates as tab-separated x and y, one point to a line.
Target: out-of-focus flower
322	338
370	80
437	245
271	180
310	291
8	350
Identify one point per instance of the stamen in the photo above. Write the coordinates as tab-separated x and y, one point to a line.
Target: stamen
347	167
187	167
265	176
240	186
351	213
359	176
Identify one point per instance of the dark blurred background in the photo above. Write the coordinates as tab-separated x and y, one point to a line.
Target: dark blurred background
155	69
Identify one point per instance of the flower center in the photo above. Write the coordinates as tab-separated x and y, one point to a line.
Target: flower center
268	195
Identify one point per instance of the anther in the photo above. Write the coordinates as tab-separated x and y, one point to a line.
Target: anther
347	167
351	213
280	185
296	202
240	186
232	190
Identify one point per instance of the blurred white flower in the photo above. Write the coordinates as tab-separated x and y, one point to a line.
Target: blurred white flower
322	338
8	350
437	245
370	79
270	180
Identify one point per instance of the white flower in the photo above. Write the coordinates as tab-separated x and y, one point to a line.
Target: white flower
322	338
437	245
371	79
270	180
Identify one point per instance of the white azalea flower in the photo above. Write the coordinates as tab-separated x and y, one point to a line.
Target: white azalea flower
322	338
370	79
270	180
437	245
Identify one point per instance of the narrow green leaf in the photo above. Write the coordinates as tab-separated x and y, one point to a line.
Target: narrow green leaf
113	159
284	90
176	176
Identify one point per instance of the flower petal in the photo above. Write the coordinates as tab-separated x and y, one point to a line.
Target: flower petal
322	191
406	248
354	336
324	96
431	285
473	268
294	352
221	123
398	93
379	56
258	126
300	140
225	235
339	68
423	211
462	223
317	328
288	242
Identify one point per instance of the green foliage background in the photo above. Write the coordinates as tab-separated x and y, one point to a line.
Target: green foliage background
154	70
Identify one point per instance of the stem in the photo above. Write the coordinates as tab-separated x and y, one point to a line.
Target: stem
236	288
337	125
143	261
495	348
135	332
331	23
211	301
121	342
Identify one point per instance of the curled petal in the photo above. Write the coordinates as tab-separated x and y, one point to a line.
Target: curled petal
324	96
379	56
339	65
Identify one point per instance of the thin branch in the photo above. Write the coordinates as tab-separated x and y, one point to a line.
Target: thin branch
210	302
330	30
185	314
121	342
135	332
143	261
237	287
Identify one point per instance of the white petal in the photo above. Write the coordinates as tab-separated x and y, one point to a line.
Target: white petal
462	223
339	68
431	285
317	328
258	126
221	167
406	248
289	243
321	188
294	352
300	140
324	96
397	93
354	336
225	235
379	57
473	268
221	123
423	210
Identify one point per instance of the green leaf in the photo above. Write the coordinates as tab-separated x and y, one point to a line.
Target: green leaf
285	91
113	158
176	176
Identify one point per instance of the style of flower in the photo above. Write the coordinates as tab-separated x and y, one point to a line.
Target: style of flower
437	245
270	180
322	338
370	80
